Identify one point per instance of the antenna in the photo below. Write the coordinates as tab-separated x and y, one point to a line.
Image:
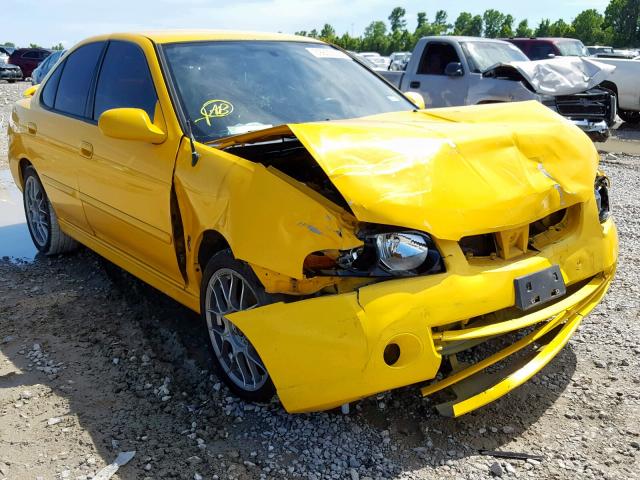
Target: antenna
195	156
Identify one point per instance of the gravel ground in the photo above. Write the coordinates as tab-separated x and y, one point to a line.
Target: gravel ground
93	362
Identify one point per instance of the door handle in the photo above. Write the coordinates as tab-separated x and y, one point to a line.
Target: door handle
86	149
414	84
32	128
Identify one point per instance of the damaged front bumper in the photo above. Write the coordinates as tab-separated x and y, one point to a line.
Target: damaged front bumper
329	350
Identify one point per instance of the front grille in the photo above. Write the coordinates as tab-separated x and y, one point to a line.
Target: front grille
587	105
487	245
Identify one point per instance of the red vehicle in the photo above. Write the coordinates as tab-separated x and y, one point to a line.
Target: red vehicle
543	48
28	59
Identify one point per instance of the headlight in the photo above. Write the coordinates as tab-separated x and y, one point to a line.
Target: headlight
601	190
402	251
384	253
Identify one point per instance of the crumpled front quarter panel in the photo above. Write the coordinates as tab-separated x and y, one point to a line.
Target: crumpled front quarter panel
456	171
267	218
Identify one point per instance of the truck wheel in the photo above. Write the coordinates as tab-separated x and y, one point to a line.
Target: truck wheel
629	116
228	286
41	218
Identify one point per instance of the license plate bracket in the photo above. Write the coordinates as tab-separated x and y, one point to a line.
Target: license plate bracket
539	288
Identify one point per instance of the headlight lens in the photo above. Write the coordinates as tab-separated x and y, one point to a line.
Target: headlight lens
402	251
601	190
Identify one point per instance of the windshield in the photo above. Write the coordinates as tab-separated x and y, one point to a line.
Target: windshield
572	48
229	88
483	55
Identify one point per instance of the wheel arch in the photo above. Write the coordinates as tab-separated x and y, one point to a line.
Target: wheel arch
22	166
210	242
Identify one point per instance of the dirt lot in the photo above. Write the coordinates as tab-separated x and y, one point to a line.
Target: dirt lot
93	364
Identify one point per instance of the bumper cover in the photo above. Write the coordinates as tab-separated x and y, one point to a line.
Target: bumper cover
10	73
329	350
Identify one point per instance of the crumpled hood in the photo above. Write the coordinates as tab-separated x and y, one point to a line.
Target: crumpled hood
560	75
458	171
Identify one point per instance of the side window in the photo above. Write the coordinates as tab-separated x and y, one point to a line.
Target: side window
30	54
125	81
541	51
436	57
77	75
48	95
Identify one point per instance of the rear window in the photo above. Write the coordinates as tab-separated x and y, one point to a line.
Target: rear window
573	48
77	75
48	95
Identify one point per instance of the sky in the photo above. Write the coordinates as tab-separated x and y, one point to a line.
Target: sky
49	22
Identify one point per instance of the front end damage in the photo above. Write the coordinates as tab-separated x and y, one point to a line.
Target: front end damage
569	86
501	198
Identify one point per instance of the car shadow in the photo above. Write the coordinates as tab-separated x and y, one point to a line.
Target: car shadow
95	314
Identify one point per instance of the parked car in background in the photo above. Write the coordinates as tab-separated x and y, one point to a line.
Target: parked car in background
337	240
28	59
41	70
549	47
610	52
10	73
450	71
624	82
4	49
399	61
596	50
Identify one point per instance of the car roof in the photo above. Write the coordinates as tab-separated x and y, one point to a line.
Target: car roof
176	36
544	39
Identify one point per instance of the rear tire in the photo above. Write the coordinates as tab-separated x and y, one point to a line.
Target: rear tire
229	285
42	221
630	116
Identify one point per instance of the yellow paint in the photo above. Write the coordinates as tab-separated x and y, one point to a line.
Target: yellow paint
449	172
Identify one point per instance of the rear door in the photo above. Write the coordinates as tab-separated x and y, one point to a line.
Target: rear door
57	128
438	89
126	184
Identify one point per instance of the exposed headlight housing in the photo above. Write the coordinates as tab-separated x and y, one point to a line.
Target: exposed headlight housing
385	253
601	191
402	251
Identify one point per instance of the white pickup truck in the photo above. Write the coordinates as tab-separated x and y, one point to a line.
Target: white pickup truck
625	83
454	71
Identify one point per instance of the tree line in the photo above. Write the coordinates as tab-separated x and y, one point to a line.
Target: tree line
619	26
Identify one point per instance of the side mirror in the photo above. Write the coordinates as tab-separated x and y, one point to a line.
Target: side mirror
130	124
551	55
416	99
454	69
30	92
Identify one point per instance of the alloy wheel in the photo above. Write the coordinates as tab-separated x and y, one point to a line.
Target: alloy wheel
37	211
229	292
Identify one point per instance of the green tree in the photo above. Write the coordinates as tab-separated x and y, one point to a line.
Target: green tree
328	33
587	27
375	37
467	24
560	28
422	20
313	33
440	24
34	45
59	46
9	44
397	20
622	19
523	29
544	28
493	21
302	33
506	29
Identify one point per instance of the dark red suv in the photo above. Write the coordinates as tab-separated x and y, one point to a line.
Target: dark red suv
28	59
542	48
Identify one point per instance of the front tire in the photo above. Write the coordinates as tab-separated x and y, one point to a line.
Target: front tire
229	285
41	218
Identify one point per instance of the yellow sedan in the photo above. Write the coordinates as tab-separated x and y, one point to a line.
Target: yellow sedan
337	238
